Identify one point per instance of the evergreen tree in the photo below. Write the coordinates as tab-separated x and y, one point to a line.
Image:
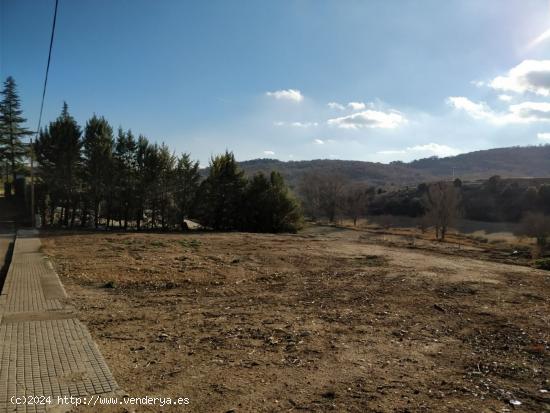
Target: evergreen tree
257	204
222	194
187	184
12	130
166	182
142	178
286	213
126	174
58	153
98	162
151	182
269	207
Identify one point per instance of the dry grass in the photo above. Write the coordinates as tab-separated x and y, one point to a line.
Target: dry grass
328	320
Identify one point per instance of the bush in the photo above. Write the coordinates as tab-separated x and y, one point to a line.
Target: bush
543	264
269	207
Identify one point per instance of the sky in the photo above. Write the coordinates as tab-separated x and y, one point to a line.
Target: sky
291	79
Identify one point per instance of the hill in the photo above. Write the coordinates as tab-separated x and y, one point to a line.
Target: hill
525	162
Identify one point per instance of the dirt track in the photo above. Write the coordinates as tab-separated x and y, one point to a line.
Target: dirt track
324	321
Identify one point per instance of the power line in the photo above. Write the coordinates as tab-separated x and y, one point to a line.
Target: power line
33	223
47	68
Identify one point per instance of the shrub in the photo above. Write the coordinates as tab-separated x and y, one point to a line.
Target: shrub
543	264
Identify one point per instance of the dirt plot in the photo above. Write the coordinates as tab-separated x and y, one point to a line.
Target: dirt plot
326	320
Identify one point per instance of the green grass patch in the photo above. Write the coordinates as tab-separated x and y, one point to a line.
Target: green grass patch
158	243
189	243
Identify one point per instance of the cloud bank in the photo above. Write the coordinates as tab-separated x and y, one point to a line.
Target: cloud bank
369	119
529	76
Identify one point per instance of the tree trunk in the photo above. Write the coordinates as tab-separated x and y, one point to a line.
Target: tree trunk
126	215
52	214
96	214
73	214
66	214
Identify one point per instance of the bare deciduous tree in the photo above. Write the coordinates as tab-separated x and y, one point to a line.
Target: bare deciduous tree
537	225
442	202
322	194
355	201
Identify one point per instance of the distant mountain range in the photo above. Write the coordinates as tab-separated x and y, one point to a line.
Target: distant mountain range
513	162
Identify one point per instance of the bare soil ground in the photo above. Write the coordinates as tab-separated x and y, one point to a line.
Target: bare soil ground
326	320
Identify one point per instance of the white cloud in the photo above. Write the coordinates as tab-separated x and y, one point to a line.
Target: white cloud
544	136
357	106
429	149
392	152
369	119
525	112
435	149
287	94
530	112
475	110
528	76
505	98
478	83
304	124
353	106
323	141
539	39
269	153
336	105
296	124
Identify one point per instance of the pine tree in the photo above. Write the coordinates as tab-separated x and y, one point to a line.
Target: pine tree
11	128
125	174
142	179
187	185
269	207
166	182
58	154
286	214
222	194
98	145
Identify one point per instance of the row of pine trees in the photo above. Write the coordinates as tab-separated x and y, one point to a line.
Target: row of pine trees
94	177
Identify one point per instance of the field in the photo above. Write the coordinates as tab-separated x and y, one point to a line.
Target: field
330	319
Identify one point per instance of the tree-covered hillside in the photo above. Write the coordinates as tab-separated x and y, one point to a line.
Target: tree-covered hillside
527	161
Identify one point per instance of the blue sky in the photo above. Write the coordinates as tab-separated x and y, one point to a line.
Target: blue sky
304	79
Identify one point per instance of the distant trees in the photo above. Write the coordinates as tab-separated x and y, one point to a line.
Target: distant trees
12	149
494	200
442	202
330	196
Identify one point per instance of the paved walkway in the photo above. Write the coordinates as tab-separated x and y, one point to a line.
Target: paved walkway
44	349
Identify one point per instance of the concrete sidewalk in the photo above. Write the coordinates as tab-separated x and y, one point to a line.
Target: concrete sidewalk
44	349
